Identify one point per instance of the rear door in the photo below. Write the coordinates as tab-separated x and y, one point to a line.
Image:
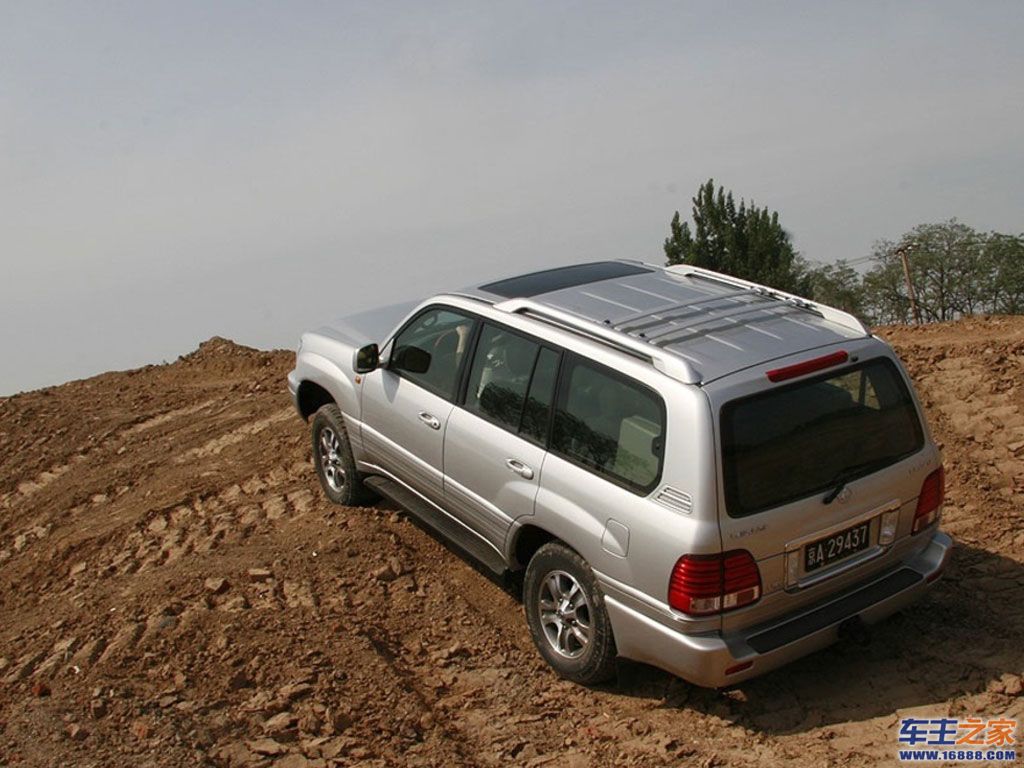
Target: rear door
494	446
405	413
819	470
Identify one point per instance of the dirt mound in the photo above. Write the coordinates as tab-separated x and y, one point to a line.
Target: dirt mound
174	590
225	357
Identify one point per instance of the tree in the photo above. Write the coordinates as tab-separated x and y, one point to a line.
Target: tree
883	288
946	269
838	285
739	240
955	271
1003	256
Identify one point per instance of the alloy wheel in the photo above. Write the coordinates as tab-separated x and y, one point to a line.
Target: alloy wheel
330	459
565	614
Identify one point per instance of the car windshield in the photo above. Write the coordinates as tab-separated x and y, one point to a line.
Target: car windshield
801	439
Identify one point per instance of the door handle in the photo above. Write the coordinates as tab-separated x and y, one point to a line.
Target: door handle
431	421
519	468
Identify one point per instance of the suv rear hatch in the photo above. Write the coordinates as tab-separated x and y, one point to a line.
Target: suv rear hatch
823	456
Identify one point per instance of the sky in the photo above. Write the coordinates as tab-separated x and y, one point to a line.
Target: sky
174	171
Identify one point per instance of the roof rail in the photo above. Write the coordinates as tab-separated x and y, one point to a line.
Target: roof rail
832	314
466	295
672	365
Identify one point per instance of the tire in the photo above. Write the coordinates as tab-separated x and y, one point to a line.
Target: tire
332	457
557	626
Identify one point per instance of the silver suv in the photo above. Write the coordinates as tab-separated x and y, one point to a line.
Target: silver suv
684	468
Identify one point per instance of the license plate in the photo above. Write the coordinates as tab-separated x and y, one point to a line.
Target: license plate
836	547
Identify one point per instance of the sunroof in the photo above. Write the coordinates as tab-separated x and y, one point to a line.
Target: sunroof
536	283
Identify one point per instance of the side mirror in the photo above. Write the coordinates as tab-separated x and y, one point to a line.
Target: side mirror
411	359
366	359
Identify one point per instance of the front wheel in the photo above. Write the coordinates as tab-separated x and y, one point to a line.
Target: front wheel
566	615
335	465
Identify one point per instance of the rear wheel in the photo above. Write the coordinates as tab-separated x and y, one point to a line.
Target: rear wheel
566	615
332	456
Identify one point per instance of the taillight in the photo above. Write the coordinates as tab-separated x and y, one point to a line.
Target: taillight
929	503
705	584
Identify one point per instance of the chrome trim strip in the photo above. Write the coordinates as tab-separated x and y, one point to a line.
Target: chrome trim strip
478	499
428	469
794	549
849	523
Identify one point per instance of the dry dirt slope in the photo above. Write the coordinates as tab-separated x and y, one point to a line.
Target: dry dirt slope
174	591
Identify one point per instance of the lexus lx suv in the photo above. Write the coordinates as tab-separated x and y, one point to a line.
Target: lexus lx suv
686	469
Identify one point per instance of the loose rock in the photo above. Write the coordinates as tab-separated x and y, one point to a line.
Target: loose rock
216	586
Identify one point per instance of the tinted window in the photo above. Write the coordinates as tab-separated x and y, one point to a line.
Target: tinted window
537	413
500	376
610	424
444	335
794	441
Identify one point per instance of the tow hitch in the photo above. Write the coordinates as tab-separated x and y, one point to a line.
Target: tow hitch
856	630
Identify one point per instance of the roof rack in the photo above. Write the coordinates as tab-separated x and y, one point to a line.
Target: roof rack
466	295
672	365
832	314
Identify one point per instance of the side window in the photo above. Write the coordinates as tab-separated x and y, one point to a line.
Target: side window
500	376
611	425
444	335
537	412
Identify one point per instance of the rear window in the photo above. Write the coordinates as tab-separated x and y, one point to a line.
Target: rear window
799	440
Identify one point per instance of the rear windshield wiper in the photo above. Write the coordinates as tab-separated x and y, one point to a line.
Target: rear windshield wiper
844	476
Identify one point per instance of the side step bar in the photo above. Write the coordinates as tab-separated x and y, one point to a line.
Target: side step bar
452	533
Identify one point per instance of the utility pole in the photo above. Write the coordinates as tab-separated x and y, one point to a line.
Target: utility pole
902	253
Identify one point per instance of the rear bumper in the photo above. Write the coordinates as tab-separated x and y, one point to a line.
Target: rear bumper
705	658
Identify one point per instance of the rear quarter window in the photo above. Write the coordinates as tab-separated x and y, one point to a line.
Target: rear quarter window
610	424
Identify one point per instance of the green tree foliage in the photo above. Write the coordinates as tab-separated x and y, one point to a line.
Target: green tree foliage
1004	259
740	240
884	292
946	272
954	269
838	285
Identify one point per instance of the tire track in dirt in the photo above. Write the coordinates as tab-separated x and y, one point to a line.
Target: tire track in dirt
235	436
27	488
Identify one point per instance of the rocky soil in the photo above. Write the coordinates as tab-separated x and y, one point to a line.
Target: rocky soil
175	591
